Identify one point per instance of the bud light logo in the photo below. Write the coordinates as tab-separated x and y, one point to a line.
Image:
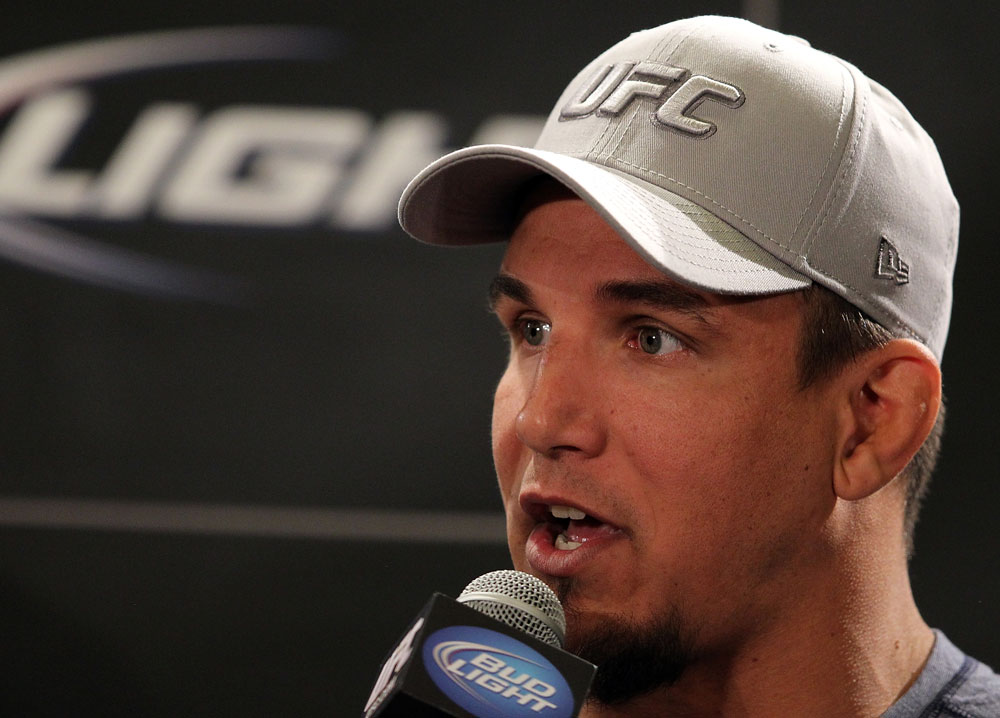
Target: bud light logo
492	675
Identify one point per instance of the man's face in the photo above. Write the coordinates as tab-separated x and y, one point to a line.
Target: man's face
672	418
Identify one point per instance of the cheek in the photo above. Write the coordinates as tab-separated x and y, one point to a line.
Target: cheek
506	447
743	462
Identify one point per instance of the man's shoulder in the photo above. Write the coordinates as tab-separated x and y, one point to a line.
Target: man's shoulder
952	685
976	692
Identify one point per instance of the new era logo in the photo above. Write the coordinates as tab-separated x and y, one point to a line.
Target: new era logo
889	265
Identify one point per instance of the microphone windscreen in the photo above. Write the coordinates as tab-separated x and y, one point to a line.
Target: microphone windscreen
521	601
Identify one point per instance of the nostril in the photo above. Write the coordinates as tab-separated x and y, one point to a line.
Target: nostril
563	449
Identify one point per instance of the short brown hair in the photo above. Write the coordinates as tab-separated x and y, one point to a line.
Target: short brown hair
836	333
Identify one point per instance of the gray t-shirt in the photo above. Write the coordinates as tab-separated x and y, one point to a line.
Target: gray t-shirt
952	685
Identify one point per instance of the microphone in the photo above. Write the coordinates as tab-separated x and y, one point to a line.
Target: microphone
495	652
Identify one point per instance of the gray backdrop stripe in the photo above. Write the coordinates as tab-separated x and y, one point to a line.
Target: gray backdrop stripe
237	520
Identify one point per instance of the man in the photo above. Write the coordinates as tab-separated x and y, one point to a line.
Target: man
727	287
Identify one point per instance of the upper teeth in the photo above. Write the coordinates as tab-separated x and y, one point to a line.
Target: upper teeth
567	512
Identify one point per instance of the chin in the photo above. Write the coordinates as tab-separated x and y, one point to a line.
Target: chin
634	656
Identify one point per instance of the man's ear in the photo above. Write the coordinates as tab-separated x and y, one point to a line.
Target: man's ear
893	401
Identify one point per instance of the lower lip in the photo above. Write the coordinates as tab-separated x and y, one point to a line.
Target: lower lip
544	557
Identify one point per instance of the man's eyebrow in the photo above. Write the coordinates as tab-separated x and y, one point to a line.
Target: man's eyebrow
656	294
504	285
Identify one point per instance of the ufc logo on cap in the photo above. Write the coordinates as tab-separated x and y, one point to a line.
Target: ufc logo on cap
614	87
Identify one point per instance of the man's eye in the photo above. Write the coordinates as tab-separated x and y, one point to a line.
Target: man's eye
535	331
653	340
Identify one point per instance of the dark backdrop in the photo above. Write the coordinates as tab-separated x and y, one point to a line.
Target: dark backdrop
244	428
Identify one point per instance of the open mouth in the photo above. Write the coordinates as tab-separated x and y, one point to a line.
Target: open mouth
571	528
565	539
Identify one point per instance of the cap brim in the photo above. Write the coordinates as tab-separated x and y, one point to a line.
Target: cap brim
472	196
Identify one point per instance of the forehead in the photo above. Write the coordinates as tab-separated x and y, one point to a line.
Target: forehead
563	246
560	239
552	221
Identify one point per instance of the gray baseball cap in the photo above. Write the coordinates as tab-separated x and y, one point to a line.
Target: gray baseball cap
737	160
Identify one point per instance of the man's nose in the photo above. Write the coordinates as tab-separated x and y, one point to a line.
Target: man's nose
562	412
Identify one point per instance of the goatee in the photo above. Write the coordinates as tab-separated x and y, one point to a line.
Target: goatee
632	657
